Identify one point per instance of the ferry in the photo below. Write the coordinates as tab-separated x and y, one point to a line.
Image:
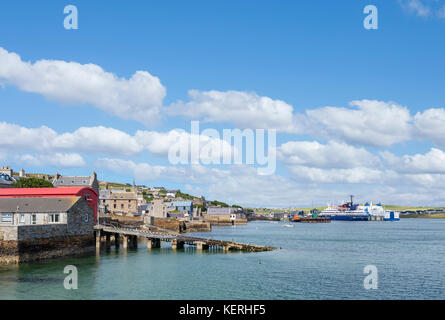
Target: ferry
350	211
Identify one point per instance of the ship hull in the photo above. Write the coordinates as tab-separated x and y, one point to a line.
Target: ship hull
348	218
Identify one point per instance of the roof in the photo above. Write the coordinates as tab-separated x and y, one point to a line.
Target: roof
220	210
37	205
124	196
181	203
73	181
38	192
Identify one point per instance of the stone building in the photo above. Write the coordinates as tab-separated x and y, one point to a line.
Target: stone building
224	215
120	202
33	228
158	208
77	181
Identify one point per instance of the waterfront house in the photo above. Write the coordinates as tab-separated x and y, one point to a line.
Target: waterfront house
224	215
90	195
33	228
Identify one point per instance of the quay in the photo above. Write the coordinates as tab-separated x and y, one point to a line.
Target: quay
130	235
314	220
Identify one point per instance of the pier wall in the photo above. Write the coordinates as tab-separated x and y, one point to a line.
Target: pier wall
14	251
223	220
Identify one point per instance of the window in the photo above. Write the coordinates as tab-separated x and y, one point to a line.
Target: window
34	219
122	206
114	206
7	217
22	218
54	218
129	206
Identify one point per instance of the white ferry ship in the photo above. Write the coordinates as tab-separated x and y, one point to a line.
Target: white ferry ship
356	212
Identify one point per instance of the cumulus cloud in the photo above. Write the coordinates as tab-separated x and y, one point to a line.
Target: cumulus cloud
361	175
330	155
244	109
431	162
372	122
138	98
110	141
430	124
67	160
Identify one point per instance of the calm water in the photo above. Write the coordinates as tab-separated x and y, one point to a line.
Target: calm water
317	261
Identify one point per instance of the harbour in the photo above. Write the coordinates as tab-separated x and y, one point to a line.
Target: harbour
317	261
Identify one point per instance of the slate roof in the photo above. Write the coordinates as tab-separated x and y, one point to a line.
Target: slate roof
73	181
37	204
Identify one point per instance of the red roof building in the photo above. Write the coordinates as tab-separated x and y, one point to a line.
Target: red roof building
89	194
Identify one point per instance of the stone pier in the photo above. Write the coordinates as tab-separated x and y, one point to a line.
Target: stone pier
124	242
201	245
134	241
176	244
98	239
153	243
116	240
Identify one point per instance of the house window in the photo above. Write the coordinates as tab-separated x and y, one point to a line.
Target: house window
54	218
33	219
22	218
114	206
129	206
7	217
122	206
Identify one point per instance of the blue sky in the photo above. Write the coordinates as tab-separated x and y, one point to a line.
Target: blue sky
306	54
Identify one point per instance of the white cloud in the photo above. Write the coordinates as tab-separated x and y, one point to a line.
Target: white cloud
210	148
374	123
138	98
430	124
68	160
17	137
98	140
356	175
431	162
331	155
244	109
110	141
